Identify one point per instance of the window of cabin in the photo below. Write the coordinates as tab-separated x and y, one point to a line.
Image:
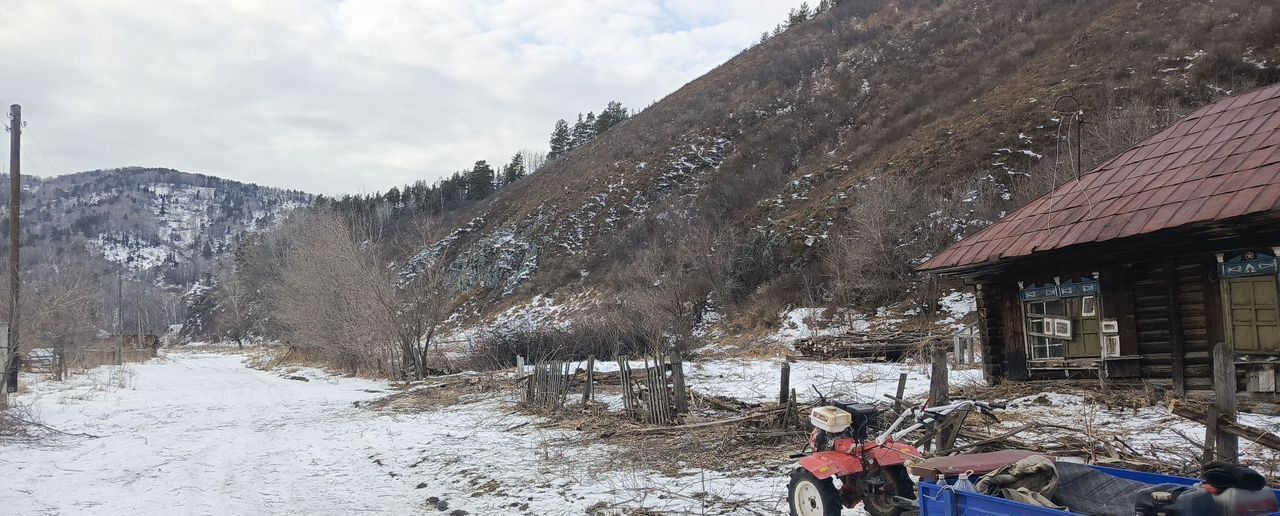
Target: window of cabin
1042	339
1063	324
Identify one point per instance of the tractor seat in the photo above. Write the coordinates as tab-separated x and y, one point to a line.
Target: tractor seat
858	409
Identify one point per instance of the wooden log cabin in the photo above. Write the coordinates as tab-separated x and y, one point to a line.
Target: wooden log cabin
1134	270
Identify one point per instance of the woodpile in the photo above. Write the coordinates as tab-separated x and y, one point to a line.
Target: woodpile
882	345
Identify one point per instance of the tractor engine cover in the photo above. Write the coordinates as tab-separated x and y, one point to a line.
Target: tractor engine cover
830	419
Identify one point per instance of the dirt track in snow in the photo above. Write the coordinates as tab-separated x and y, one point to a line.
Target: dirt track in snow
203	434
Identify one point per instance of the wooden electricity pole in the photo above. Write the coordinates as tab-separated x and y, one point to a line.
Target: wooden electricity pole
15	233
119	316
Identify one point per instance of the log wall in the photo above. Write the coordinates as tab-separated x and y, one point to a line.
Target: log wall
1176	318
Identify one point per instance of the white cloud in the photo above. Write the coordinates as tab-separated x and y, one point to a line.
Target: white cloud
350	96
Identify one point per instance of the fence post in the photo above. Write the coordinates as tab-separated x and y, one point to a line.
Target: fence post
1224	399
677	382
938	386
519	366
957	348
902	385
784	387
1210	435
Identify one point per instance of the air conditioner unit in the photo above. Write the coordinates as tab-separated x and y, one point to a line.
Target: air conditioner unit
1111	346
1110	326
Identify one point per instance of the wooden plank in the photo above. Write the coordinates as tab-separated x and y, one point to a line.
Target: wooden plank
708	424
627	395
587	385
1224	395
1015	348
939	389
651	408
1235	429
1175	328
784	383
677	383
1213	295
1210	434
1118	303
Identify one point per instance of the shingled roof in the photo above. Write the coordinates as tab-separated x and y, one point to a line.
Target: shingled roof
1219	162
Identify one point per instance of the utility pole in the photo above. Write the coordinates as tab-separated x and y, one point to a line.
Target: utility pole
119	316
15	233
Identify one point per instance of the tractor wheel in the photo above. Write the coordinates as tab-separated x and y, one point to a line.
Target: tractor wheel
809	496
895	483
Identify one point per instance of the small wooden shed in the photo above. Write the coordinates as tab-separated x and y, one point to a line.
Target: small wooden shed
1139	267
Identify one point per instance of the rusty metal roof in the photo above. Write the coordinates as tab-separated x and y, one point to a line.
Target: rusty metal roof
1219	162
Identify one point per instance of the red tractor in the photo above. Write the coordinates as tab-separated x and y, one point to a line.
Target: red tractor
869	470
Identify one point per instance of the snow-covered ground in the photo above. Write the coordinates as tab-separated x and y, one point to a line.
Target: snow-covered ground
756	381
204	434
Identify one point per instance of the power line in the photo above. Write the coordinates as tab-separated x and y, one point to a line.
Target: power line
52	170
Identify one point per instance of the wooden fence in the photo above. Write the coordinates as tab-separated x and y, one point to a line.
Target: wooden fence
654	394
547	387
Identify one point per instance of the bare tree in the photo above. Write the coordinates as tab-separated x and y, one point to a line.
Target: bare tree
63	309
669	286
237	315
329	298
416	308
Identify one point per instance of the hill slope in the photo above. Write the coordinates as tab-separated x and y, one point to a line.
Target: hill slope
881	129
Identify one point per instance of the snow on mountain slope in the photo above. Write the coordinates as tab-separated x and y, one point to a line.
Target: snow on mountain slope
168	222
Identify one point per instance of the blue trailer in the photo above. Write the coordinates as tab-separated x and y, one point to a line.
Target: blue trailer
939	500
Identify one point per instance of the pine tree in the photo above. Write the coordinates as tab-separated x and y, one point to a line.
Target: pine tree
796	16
393	197
584	130
560	140
514	170
612	115
479	181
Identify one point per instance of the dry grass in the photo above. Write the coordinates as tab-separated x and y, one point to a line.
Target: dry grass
431	394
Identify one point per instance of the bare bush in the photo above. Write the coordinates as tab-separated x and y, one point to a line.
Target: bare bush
872	261
602	336
330	298
65	310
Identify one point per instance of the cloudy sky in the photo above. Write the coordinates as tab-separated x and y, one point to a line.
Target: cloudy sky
334	96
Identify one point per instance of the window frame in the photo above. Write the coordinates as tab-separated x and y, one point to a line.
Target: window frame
1059	324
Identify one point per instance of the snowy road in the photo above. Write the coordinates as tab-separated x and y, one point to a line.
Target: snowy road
203	434
200	434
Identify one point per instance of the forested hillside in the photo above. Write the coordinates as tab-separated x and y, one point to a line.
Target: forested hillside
171	223
815	169
140	235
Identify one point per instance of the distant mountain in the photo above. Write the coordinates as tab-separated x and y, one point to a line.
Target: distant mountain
168	223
